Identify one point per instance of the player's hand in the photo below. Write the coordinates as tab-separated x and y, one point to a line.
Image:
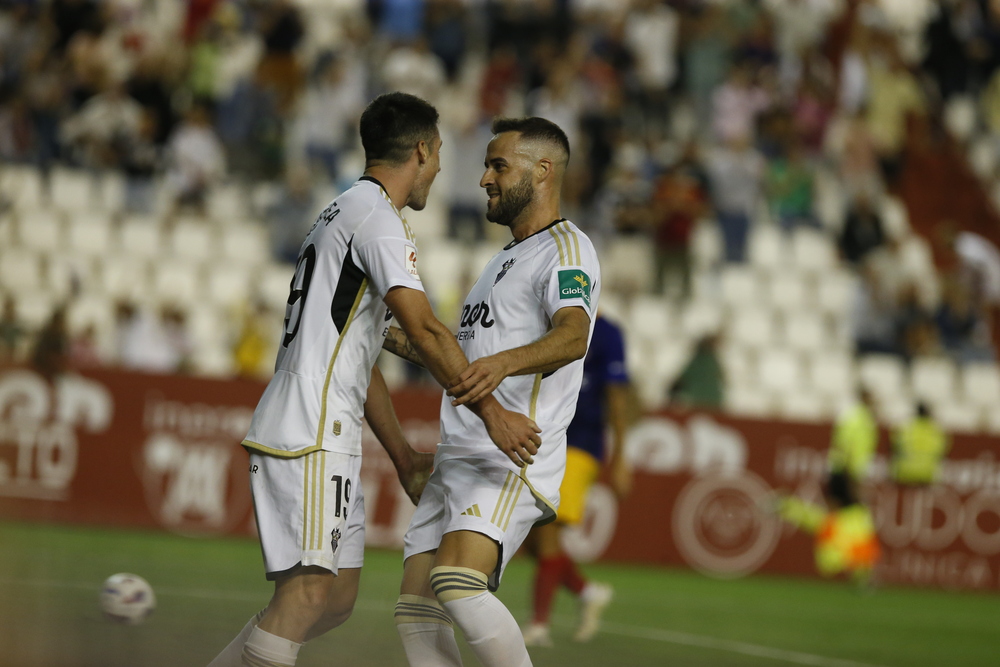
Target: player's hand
514	434
414	475
478	380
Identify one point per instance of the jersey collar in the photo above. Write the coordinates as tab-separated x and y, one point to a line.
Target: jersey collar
385	193
548	226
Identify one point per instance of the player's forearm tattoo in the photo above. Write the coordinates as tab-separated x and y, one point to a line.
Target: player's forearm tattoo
397	342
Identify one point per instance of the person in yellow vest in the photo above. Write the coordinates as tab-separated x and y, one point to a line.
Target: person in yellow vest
917	450
845	538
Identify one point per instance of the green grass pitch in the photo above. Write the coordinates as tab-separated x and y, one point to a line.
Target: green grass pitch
207	589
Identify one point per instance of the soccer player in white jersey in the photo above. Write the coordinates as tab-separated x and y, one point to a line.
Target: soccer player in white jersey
525	326
357	268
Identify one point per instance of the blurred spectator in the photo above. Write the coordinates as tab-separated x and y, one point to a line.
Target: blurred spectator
735	173
679	200
737	104
978	266
149	87
917	332
282	29
83	349
560	100
859	167
467	210
69	17
446	33
917	450
50	354
105	123
894	94
963	333
652	34
862	231
140	161
290	216
45	95
329	108
416	70
701	383
252	352
873	315
12	332
789	188
196	159
706	56
151	342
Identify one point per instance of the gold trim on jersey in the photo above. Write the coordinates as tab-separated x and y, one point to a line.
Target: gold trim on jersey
295	453
507	501
572	243
562	253
536	494
535	388
503	492
313	499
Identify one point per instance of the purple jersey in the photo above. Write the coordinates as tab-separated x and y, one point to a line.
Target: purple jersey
604	365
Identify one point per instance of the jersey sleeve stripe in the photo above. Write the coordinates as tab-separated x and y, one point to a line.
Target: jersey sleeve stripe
333	359
562	254
576	245
572	243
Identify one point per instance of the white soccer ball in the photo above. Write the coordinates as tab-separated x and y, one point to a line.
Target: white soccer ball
127	598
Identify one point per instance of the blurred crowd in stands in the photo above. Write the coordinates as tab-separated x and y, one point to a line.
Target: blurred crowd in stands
740	111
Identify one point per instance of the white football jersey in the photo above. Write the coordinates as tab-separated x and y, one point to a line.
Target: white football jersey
511	305
359	248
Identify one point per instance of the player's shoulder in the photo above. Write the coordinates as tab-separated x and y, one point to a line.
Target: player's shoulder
367	206
566	244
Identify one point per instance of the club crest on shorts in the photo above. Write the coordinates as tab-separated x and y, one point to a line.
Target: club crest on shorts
336	427
335	538
506	267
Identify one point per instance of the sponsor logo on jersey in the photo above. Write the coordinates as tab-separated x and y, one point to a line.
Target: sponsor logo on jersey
335	538
411	261
506	267
574	284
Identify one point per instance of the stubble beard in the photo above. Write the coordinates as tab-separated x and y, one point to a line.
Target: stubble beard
512	203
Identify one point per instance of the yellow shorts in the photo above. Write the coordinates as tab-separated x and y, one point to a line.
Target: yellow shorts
581	473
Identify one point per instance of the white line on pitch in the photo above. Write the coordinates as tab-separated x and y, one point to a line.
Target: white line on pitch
652	634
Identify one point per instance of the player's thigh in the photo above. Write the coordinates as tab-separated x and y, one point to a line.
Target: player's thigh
309	511
417	575
582	470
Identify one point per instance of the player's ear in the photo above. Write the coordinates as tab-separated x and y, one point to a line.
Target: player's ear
543	169
423	152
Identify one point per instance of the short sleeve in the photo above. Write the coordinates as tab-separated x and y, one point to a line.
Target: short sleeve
389	260
568	286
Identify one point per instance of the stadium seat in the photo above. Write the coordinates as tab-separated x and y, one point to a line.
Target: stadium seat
767	247
991	421
177	282
790	292
958	417
614	307
705	244
66	272
983	157
212	361
961	117
20	270
933	379
141	237
981	384
112	191
228	284
123	277
804	406
274	284
806	331
441	265
895	411
207	325
883	375
91	309
781	372
741	286
246	244
23	185
628	265
226	203
193	240
700	318
40	230
90	234
835	292
748	401
829	201
73	189
33	308
833	375
813	251
739	364
652	318
752	327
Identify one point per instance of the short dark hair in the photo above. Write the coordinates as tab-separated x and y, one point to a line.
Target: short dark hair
393	123
533	127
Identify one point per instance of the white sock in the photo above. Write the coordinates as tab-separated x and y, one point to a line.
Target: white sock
232	655
490	630
263	649
426	632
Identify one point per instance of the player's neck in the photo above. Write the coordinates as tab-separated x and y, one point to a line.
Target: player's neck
397	182
534	219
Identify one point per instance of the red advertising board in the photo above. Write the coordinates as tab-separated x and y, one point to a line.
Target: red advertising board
126	449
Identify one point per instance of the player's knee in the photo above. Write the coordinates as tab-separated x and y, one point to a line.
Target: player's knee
315	595
454	583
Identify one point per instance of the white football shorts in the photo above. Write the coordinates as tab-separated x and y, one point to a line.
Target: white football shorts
477	495
310	510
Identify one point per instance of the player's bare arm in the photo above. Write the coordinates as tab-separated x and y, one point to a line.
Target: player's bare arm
616	400
514	434
412	467
564	343
397	343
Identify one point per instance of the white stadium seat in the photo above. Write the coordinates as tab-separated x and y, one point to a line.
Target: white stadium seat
895	411
20	270
767	247
790	292
141	237
213	361
983	157
274	284
748	401
780	371
813	251
961	117
705	244
833	375
193	240
806	331
90	309
628	265
228	284
73	189
65	272
895	218
177	282
441	265
933	379
739	364
883	375
40	230
804	406
206	324
752	327
90	234
958	416
700	318
981	384
245	243
125	277
741	287
652	318
835	292
34	308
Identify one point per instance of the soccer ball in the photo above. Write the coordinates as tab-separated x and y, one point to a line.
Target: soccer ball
127	598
